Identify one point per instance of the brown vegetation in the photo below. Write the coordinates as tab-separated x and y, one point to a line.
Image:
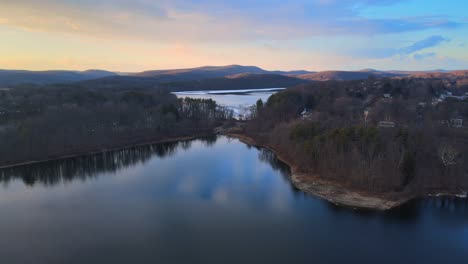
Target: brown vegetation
38	124
339	140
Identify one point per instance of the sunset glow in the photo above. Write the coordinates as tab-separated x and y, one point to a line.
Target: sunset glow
136	35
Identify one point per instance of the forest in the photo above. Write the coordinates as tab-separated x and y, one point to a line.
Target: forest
376	135
385	135
240	81
53	121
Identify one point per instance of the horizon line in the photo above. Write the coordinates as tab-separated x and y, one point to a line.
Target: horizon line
228	65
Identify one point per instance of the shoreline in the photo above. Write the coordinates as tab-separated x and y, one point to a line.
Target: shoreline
338	194
332	192
94	152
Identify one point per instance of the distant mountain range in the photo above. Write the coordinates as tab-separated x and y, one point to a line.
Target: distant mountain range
209	72
15	77
208	77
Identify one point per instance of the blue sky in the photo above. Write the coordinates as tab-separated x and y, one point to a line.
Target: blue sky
134	35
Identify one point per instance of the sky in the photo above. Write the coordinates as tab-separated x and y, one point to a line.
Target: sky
137	35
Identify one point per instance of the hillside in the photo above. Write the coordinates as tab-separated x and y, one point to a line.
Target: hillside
55	123
371	73
392	138
441	75
199	73
242	81
347	75
209	72
15	77
209	75
252	81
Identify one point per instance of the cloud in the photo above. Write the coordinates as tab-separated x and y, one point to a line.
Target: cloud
429	42
422	56
276	34
375	53
209	20
381	53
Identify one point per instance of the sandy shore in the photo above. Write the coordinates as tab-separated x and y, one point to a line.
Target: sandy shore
332	191
345	197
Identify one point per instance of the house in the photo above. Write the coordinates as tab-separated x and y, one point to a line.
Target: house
443	122
450	95
456	122
306	114
311	116
386	124
377	85
436	101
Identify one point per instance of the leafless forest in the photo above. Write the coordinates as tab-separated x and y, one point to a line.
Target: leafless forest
377	135
49	122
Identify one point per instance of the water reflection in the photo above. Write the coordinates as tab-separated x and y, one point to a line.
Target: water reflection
409	212
269	157
207	201
85	167
442	209
447	210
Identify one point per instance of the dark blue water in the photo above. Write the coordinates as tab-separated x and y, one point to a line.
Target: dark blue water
206	201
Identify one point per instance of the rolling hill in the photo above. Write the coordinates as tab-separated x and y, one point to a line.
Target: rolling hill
347	75
209	72
243	81
15	77
207	77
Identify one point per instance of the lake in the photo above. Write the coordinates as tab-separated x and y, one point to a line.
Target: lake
213	200
239	101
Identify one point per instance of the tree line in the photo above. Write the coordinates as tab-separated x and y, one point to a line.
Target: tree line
47	122
331	129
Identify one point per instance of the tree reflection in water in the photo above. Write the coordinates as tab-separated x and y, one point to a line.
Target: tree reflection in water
410	212
267	156
84	167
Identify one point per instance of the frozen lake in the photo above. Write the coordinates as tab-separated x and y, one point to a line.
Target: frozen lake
238	100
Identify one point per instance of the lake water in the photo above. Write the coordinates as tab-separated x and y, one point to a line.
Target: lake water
206	201
239	101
